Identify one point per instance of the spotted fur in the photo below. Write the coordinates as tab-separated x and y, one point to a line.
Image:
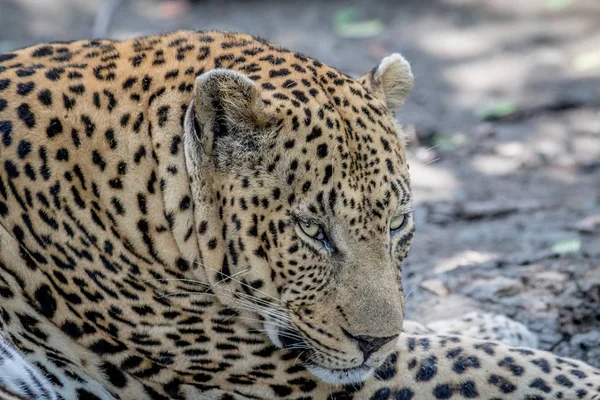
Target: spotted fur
155	199
493	327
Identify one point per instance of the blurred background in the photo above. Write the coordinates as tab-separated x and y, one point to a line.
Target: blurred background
503	125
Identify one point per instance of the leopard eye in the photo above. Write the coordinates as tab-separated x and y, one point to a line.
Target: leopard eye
398	222
309	228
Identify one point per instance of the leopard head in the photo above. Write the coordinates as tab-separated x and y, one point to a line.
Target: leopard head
303	206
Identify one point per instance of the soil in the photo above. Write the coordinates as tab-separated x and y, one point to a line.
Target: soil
507	206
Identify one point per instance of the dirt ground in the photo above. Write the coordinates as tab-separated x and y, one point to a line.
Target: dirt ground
504	130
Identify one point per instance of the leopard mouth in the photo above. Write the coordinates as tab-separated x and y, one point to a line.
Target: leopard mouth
333	376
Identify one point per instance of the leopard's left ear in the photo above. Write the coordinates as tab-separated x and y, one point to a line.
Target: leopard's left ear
225	120
391	81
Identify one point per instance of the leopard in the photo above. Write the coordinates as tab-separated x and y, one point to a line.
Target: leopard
208	215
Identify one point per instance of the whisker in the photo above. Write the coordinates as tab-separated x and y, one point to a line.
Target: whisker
271	317
299	355
231	276
254	299
286	328
298	346
275	314
284	333
187	280
258	301
407	295
244	284
196	282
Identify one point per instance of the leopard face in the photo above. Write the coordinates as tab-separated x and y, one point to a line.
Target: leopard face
311	209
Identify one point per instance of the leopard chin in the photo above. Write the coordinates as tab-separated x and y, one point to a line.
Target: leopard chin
338	377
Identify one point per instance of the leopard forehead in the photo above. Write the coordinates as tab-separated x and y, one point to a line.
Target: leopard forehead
339	125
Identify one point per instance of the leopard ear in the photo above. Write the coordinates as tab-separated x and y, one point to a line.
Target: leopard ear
226	115
391	81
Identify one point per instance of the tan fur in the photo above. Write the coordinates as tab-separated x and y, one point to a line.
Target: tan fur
392	80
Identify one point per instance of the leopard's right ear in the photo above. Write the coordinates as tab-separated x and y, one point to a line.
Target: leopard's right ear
391	81
226	116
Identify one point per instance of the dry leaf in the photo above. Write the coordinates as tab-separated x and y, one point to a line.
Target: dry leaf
589	224
435	286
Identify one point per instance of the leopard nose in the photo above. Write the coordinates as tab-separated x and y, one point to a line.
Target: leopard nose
370	344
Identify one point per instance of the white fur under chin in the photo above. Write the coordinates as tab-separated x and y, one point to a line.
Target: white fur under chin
340	377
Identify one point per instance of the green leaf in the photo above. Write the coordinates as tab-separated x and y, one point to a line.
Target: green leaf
444	143
558	4
499	109
344	16
347	25
567	246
